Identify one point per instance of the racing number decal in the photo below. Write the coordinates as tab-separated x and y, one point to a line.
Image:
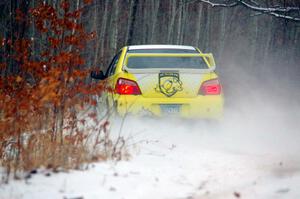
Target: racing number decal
169	84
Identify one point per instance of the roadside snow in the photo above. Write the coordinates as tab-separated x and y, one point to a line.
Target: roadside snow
185	160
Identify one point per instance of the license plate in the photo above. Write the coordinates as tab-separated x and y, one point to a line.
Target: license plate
170	109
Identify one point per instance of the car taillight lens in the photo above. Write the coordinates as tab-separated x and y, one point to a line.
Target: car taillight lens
210	87
127	87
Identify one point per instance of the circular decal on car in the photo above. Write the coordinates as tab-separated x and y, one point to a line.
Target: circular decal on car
169	84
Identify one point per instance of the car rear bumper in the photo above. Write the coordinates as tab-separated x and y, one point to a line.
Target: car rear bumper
206	107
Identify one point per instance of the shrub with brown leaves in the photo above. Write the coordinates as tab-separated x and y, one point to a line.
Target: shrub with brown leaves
41	103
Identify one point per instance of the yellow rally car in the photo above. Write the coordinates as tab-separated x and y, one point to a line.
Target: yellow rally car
163	80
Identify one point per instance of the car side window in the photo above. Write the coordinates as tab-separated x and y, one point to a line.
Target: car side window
112	67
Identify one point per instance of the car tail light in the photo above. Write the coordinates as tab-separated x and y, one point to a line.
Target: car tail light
127	87
210	87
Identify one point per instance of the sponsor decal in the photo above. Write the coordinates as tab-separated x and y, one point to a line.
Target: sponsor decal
169	83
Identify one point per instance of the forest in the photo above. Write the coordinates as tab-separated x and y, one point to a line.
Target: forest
228	28
49	47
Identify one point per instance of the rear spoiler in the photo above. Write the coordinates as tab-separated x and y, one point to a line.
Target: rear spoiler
210	61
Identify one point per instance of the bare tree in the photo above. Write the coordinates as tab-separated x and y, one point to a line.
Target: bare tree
131	20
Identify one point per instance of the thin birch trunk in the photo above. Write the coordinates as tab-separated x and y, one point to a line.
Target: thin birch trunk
172	21
154	8
129	20
103	31
268	44
144	24
178	31
198	24
208	27
95	27
76	21
115	27
184	23
222	37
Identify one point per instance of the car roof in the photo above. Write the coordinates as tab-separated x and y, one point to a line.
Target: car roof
145	47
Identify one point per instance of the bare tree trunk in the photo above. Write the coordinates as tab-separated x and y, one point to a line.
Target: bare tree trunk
198	23
172	21
103	32
184	24
154	13
179	22
254	48
208	27
95	27
267	44
114	26
76	21
131	21
116	30
223	32
145	28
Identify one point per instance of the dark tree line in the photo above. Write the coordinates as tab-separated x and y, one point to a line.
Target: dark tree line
254	34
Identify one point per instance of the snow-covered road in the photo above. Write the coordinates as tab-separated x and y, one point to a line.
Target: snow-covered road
246	157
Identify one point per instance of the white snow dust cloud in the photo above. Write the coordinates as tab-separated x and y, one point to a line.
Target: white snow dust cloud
261	118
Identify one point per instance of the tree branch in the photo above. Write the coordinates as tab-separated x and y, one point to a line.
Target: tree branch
257	7
278	11
214	4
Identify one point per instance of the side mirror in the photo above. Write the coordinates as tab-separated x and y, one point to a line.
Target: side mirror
98	75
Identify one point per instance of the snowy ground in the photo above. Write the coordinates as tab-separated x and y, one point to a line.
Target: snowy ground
248	156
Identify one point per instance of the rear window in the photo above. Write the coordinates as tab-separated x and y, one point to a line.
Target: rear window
138	62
